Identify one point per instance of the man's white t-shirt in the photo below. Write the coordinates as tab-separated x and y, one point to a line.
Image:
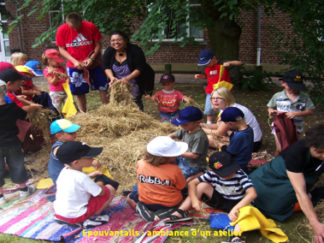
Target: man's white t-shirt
74	189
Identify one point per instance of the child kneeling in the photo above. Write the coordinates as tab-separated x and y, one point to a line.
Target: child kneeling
78	197
226	187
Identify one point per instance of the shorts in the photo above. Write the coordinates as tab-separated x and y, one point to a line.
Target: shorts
14	157
94	204
208	106
58	99
186	169
79	85
168	116
219	202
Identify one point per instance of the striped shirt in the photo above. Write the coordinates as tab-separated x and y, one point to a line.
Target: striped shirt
232	189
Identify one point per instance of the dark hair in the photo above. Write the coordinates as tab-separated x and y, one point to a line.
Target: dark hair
122	34
315	136
167	78
74	18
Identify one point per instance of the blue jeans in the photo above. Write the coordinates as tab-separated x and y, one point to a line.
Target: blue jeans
186	168
14	157
168	116
208	106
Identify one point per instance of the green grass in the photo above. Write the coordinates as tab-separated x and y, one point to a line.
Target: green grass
295	227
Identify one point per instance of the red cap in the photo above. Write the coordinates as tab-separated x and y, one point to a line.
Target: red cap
5	65
54	54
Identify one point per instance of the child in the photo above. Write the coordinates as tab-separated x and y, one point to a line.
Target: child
193	160
225	187
18	58
13	81
64	131
160	180
56	76
212	72
10	145
241	141
292	101
77	197
169	99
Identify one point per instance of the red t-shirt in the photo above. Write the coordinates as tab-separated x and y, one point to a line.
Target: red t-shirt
168	101
78	43
212	74
161	184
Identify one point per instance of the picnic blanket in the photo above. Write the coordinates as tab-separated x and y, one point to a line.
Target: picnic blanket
34	218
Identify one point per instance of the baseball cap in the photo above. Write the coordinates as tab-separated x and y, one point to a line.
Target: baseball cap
166	147
230	114
54	54
11	74
35	67
188	114
205	57
294	79
73	150
63	125
5	65
23	69
167	78
223	164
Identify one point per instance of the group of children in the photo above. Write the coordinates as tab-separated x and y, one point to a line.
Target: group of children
168	167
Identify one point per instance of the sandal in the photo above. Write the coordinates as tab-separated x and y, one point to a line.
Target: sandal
175	219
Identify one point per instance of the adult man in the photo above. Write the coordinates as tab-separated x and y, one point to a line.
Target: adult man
79	42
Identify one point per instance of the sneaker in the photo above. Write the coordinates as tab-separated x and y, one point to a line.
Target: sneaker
24	194
2	200
95	221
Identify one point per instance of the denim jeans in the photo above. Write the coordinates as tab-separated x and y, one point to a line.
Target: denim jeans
186	168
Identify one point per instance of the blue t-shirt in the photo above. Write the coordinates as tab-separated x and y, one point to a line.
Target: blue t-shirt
241	146
54	165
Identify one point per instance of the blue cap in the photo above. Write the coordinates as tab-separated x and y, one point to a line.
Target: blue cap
205	57
35	67
188	114
63	125
230	114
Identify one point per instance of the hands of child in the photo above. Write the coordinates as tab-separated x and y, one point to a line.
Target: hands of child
199	76
96	164
272	112
233	214
290	115
94	174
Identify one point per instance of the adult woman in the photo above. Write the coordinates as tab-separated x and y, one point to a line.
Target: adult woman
222	98
125	62
289	177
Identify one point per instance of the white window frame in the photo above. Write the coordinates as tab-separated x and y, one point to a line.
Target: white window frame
187	29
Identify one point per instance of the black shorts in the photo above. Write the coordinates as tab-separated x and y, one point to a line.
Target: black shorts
219	202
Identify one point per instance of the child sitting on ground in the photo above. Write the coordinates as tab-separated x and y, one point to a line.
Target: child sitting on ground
292	101
225	187
160	180
18	58
241	141
169	99
193	160
10	145
64	131
56	76
78	198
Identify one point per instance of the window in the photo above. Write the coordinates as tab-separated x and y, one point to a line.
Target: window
55	19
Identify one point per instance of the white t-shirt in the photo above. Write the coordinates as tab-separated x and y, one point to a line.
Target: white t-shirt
74	189
251	121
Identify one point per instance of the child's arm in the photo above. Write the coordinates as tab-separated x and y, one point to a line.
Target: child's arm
32	107
192	190
30	92
232	63
250	195
293	114
150	98
188	100
52	79
200	76
35	87
103	191
190	155
171	135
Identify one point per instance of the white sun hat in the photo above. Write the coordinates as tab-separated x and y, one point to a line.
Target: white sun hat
165	146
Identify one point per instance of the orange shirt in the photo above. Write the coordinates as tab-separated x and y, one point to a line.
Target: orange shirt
159	184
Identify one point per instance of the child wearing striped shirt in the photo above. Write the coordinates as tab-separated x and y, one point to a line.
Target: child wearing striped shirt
225	187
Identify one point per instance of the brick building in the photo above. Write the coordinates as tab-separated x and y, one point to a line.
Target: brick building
22	39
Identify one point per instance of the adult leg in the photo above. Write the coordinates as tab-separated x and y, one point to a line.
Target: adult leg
82	102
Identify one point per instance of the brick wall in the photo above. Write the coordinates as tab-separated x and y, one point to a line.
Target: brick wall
169	52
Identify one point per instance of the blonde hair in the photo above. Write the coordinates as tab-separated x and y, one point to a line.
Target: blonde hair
17	57
44	60
154	160
225	94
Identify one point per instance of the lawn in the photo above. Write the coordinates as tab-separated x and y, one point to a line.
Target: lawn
296	227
